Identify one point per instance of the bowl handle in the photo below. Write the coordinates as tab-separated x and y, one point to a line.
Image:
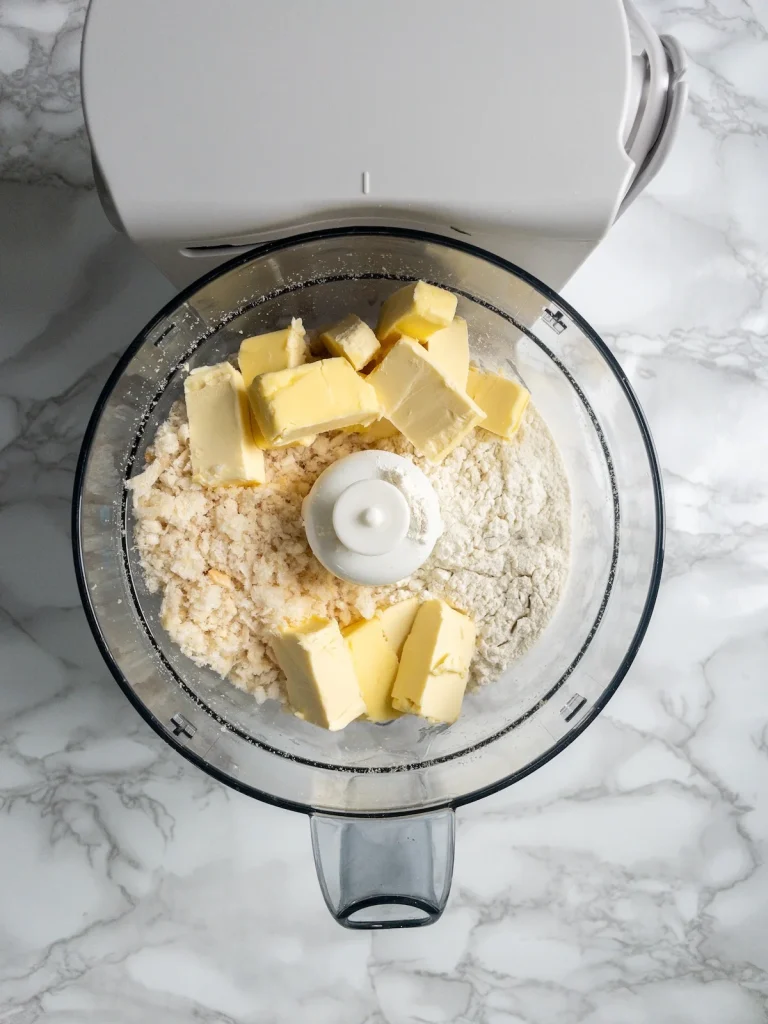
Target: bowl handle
385	872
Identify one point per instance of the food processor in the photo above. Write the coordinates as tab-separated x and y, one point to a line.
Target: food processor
234	135
381	797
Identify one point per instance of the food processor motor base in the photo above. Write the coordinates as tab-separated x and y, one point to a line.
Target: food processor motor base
525	129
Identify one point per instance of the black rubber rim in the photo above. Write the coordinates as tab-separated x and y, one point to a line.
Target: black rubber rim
431	913
550	295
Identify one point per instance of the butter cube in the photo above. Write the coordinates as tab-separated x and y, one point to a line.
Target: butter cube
397	622
221	444
352	339
414	394
417	310
321	681
265	353
434	666
502	400
449	351
326	395
261	442
278	350
379	430
376	664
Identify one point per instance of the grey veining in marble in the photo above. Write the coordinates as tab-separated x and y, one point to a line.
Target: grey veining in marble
624	883
42	137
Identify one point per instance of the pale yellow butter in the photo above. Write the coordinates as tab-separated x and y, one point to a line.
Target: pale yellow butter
353	339
376	664
261	442
417	310
415	395
221	444
434	666
449	351
278	350
379	430
502	400
320	675
326	395
397	622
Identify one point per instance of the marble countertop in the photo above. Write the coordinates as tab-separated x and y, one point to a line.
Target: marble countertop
623	883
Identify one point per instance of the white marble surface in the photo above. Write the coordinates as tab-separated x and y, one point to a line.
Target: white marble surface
42	138
625	882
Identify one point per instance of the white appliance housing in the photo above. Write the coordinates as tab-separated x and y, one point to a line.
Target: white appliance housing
523	127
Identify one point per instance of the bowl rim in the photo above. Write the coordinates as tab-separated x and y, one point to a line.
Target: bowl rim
286	242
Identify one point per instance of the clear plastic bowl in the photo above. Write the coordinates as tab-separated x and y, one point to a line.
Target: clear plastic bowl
407	768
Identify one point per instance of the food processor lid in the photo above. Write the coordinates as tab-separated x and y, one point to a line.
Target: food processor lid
252	115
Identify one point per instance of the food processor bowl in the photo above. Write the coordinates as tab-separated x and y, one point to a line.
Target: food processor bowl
382	797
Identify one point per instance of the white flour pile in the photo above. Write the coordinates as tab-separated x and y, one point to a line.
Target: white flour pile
233	564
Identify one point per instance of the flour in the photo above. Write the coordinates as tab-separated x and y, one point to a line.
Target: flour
505	549
233	564
420	526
